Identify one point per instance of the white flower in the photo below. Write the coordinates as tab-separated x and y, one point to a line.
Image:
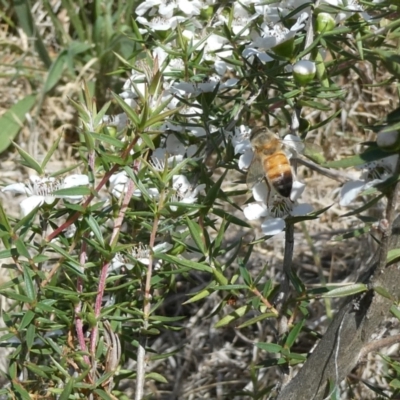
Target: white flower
144	6
273	208
173	153
273	35
375	172
119	186
351	7
140	253
120	121
185	193
249	53
196	88
40	190
161	24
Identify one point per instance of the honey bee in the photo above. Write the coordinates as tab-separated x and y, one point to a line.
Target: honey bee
270	162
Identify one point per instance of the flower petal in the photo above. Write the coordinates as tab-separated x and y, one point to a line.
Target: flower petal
350	191
17	188
180	183
75	180
301	209
30	203
273	226
297	190
261	192
255	211
245	159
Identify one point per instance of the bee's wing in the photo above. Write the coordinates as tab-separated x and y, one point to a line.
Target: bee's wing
308	149
255	172
294	143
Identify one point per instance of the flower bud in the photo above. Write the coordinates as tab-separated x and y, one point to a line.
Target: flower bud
325	22
304	72
389	141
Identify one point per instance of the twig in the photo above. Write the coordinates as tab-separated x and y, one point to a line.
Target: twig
141	352
330	173
104	269
265	301
78	307
379	344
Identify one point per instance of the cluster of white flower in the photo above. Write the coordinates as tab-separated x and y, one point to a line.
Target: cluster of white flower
256	26
42	190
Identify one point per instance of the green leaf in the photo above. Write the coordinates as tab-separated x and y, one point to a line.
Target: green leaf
55	72
294	333
28	161
21	391
232	287
73	191
393	256
157	377
270	347
147	140
13	119
347	290
37	370
371	154
21	248
219	276
183	262
30	335
212	194
51	151
354	233
230	218
395	383
128	110
160	117
256	319
395	311
366	206
244	273
118	144
201	295
197	235
26	320
233	316
67	389
95	228
16	296
102	393
314	105
29	287
383	292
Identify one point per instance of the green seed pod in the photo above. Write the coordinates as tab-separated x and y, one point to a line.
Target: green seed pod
304	72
